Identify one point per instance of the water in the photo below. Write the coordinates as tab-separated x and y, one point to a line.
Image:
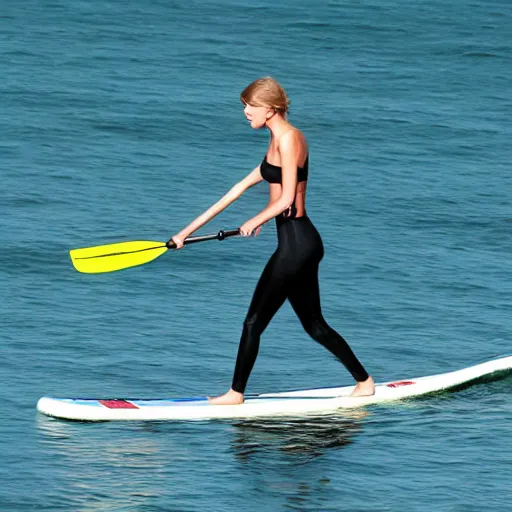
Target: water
121	121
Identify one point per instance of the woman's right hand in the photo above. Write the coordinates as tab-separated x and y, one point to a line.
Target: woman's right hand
177	240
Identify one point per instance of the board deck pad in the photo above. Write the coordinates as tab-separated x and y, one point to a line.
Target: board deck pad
291	403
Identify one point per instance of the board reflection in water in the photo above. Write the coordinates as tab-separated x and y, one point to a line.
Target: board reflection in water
309	436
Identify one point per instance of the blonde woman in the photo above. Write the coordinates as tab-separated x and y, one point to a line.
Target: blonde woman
292	271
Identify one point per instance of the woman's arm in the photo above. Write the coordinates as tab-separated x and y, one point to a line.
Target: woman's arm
234	193
289	148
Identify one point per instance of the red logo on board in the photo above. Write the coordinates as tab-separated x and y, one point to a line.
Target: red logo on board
118	404
400	383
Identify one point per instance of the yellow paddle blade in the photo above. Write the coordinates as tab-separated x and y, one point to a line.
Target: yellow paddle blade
108	258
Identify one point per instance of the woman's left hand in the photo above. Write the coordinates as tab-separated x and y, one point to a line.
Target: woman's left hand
249	228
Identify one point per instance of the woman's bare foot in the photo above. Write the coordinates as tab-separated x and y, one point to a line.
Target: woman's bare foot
232	397
364	388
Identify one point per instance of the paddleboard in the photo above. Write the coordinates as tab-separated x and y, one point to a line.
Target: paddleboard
291	403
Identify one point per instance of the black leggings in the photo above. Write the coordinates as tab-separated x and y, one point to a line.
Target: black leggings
291	273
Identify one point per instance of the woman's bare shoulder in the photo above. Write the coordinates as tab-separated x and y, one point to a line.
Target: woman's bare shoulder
293	139
293	133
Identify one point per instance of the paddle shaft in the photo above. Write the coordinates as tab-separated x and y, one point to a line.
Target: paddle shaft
221	235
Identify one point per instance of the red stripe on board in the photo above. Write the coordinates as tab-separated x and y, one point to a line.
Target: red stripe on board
117	404
401	383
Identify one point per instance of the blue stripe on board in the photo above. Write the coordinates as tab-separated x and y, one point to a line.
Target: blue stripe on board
151	402
80	401
176	402
138	401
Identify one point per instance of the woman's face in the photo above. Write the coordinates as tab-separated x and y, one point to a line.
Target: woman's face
257	116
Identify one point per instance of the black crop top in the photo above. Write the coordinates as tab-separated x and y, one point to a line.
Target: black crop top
272	173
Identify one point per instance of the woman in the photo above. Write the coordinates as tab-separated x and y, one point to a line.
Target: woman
292	271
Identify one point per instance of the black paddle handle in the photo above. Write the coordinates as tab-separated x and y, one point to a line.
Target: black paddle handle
194	239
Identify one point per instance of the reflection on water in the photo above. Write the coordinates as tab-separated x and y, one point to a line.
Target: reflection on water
73	440
277	456
102	469
130	465
309	436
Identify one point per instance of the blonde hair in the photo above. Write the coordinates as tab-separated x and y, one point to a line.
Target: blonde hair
266	92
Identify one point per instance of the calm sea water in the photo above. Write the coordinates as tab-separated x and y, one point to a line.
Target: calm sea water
121	121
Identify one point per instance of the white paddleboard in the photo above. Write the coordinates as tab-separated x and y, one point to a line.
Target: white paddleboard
292	403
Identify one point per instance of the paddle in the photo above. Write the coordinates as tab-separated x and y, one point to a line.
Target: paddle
109	258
